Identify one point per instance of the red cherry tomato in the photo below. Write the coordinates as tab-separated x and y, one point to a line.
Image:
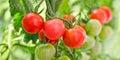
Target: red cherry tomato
99	15
51	41
41	34
41	37
108	13
74	37
69	17
54	29
32	23
82	25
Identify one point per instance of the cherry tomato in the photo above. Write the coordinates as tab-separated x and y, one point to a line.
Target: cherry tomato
108	13
45	52
99	15
51	41
82	25
18	52
54	29
63	58
41	37
41	34
74	37
32	23
69	17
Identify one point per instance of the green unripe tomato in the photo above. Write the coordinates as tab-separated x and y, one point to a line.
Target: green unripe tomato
97	48
85	56
93	27
45	52
63	58
19	53
106	32
89	43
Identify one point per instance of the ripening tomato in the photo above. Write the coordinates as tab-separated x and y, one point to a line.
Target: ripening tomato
69	17
99	15
54	29
51	41
41	34
83	25
108	13
32	23
74	37
41	37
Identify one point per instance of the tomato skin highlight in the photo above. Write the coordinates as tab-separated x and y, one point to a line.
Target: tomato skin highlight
54	29
32	23
108	13
99	15
74	37
69	17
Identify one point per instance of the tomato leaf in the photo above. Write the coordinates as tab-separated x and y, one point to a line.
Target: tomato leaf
17	21
28	5
64	7
16	6
28	37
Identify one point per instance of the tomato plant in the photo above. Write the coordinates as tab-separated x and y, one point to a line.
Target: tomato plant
99	14
108	13
56	29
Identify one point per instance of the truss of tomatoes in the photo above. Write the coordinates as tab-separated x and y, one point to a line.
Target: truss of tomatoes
54	29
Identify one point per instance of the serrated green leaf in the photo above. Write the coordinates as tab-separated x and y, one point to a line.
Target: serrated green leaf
16	6
17	21
28	37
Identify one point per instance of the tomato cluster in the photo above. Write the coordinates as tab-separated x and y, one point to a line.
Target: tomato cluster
81	35
102	14
54	29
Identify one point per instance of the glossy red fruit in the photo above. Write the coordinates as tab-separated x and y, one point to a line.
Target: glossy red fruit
69	17
108	13
74	37
51	41
32	23
41	37
82	25
99	15
41	34
54	29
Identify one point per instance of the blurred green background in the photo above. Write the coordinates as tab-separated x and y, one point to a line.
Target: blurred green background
111	47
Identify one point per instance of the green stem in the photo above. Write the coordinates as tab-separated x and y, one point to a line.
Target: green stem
4	44
68	24
37	7
56	50
49	11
